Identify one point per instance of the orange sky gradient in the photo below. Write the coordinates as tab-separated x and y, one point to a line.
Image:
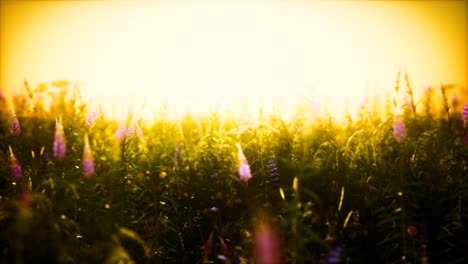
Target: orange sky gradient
198	55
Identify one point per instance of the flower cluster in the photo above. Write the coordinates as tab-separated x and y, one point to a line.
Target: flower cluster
244	168
127	132
120	134
273	170
399	130
465	114
334	256
15	167
15	126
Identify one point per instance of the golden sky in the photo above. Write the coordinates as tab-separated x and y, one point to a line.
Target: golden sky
195	54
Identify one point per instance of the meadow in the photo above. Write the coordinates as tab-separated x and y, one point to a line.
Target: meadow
387	187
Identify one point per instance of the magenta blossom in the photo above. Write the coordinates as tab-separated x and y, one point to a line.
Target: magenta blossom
15	125
334	256
121	131
207	247
15	167
465	113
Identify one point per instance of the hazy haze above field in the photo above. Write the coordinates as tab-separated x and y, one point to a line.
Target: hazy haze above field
202	53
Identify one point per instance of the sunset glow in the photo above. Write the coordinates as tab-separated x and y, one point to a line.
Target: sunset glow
231	56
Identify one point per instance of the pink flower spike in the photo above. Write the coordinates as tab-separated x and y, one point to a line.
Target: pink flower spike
60	147
244	168
88	162
122	130
16	170
131	128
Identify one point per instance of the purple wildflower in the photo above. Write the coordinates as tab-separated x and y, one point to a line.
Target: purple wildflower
16	170
45	161
334	256
465	113
244	168
130	131
215	209
399	131
46	157
88	163
15	126
275	181
224	247
60	147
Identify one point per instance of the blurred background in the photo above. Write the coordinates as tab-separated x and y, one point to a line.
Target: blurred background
202	55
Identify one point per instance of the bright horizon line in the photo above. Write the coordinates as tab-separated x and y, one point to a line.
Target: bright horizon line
233	53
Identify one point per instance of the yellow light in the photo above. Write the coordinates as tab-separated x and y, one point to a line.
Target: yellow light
295	183
345	223
341	198
232	56
282	193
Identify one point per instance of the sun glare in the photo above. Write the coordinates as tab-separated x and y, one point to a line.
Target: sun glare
232	56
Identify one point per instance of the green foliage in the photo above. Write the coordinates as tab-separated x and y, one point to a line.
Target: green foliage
381	201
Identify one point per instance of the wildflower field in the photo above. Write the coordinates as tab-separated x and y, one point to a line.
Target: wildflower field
390	187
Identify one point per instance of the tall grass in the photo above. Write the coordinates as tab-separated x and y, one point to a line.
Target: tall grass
349	192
